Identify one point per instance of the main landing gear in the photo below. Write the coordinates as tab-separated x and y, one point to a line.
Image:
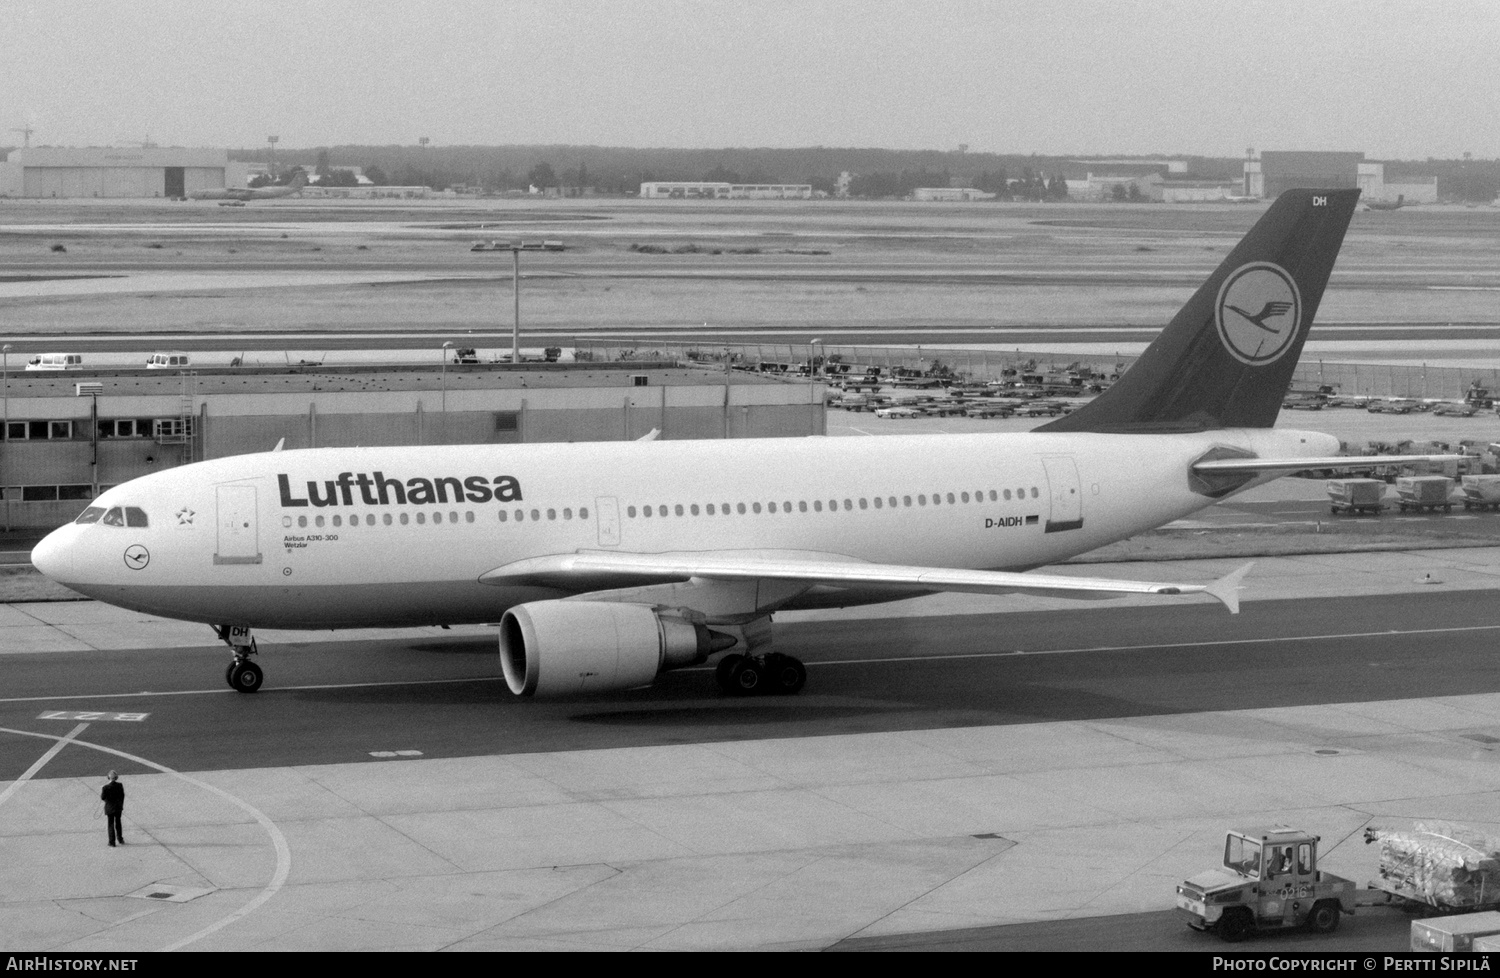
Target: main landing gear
751	675
242	675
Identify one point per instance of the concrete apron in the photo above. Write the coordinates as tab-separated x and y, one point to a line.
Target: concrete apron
778	843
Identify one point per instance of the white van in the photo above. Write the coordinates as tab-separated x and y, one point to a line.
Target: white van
56	361
167	361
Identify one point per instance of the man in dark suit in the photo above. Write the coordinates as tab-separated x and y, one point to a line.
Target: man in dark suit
113	796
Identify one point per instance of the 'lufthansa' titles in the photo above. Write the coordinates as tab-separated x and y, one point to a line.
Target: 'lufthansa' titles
376	489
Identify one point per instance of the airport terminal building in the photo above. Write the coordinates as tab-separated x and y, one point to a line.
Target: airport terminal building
68	435
107	171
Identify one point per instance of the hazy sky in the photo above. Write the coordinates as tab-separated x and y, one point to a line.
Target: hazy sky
1395	78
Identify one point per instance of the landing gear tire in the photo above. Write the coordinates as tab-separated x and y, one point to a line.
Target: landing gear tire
747	678
1324	918
725	669
1235	926
245	677
787	675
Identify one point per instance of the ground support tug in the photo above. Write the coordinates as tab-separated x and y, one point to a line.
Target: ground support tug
1270	881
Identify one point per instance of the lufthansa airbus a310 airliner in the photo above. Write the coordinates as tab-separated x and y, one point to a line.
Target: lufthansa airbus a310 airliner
606	564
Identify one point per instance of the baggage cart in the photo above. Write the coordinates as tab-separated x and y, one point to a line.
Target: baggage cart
1481	491
1424	493
1453	933
1355	495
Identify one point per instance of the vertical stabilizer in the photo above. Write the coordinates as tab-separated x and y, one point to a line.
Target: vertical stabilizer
1226	359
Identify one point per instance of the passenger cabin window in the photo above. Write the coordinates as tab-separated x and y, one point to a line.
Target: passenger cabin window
90	515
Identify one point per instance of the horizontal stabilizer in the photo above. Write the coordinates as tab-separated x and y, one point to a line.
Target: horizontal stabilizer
1254	465
587	569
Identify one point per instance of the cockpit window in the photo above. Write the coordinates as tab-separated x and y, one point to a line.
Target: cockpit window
135	516
115	517
90	515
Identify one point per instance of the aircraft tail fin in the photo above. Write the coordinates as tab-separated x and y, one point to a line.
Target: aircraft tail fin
1227	357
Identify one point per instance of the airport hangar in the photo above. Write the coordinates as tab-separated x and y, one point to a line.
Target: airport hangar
107	171
72	434
1272	172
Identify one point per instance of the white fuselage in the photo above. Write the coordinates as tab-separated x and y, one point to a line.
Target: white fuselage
349	537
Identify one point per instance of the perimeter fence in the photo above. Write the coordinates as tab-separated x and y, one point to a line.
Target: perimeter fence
1366	379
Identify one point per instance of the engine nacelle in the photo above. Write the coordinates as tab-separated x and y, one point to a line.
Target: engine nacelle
563	648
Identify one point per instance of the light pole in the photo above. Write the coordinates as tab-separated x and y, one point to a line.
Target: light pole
515	292
446	347
515	248
273	140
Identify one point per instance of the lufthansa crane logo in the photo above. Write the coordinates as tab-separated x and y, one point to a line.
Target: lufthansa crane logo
1258	312
137	557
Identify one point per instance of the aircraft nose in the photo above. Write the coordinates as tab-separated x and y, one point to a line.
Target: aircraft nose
53	557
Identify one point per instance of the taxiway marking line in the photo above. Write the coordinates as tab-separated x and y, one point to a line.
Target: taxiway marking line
1389	633
939	657
215	692
283	850
41	762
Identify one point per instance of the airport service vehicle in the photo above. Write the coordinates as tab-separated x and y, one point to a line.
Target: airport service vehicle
897	412
1037	409
1424	493
1270	880
1481	491
606	564
1456	409
1356	495
167	361
56	361
1397	405
465	354
989	411
1304	402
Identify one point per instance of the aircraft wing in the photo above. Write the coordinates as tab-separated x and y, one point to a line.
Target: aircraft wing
600	570
1254	465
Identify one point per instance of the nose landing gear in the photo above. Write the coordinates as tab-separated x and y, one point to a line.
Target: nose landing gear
242	675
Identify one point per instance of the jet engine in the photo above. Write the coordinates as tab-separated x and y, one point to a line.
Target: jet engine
563	648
